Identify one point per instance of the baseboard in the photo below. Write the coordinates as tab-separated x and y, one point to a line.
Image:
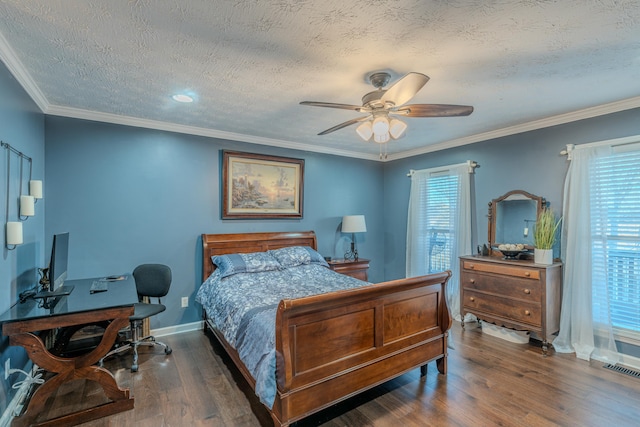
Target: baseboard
178	329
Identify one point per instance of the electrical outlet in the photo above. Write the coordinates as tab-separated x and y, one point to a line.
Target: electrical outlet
185	302
7	366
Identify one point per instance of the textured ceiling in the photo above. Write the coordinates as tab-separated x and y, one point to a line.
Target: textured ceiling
523	64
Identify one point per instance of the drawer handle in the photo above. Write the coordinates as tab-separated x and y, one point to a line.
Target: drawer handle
527	291
472	299
472	281
471	266
527	274
527	313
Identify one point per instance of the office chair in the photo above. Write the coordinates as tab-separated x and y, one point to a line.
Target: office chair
153	281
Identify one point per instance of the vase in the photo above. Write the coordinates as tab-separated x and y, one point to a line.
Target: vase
543	256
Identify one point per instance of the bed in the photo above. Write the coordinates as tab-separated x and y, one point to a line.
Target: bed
331	346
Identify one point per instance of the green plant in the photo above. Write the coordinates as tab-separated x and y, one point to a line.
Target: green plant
544	235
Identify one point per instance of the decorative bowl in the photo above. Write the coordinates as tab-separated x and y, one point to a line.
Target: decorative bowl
512	254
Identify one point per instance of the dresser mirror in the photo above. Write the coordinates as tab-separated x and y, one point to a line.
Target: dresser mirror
512	218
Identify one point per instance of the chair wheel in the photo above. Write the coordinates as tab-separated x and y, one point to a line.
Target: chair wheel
168	350
134	368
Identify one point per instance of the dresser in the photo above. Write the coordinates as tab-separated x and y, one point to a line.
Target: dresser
358	269
516	294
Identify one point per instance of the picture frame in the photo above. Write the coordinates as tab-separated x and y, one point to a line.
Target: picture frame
258	186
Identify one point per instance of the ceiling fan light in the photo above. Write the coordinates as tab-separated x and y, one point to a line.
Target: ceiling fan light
380	125
381	138
397	128
364	130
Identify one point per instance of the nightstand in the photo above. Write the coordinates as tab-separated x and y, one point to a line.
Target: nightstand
358	269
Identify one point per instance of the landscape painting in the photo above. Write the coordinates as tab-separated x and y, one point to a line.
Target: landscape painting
261	186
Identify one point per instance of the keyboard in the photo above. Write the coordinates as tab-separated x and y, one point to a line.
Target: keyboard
98	286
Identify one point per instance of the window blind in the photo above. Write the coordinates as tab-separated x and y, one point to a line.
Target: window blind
615	241
439	210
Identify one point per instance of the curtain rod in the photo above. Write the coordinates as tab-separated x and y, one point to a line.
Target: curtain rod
471	164
612	142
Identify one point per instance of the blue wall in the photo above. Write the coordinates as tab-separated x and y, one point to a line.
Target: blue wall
529	161
21	126
130	195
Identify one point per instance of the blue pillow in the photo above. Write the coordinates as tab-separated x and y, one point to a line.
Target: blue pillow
297	255
245	263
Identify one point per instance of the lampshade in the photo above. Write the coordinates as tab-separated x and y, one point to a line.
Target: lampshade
353	224
364	130
397	128
35	188
14	233
27	206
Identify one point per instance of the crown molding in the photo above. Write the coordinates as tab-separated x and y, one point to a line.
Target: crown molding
10	59
78	113
586	113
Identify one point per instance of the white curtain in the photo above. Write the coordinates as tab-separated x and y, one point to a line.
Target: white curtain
578	331
418	233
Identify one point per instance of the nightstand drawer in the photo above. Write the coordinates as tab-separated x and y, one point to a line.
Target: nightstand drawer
529	313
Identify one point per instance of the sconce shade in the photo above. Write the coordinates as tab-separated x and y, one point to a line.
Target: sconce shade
14	233
353	224
35	188
27	206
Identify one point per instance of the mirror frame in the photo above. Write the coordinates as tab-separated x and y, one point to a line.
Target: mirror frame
511	195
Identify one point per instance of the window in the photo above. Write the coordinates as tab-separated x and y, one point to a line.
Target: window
615	242
439	224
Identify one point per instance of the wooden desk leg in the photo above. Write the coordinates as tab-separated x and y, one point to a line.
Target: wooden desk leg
68	369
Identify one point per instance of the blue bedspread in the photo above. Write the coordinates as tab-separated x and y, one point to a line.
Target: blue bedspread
243	307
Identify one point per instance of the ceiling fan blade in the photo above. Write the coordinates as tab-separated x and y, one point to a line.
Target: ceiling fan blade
433	110
405	88
332	105
345	124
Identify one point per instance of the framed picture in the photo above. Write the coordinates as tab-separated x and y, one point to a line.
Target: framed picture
260	186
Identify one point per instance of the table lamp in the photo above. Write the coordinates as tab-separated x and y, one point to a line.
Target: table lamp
353	224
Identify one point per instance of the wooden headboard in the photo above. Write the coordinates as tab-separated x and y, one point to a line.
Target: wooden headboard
220	244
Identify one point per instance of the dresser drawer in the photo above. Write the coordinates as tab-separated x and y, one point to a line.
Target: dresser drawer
523	289
506	270
523	312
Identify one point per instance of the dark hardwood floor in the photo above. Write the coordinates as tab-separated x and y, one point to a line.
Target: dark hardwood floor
491	382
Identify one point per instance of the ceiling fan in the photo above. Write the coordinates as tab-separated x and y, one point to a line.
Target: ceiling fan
382	105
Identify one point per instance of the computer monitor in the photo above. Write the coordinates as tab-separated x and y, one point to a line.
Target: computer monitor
58	263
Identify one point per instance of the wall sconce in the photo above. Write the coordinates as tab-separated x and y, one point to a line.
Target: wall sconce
353	224
14	235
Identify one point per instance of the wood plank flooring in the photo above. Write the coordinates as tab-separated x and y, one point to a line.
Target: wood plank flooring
491	382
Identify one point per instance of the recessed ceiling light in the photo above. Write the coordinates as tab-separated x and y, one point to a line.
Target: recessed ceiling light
182	98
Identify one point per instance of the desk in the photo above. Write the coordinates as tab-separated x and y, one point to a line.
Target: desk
80	307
